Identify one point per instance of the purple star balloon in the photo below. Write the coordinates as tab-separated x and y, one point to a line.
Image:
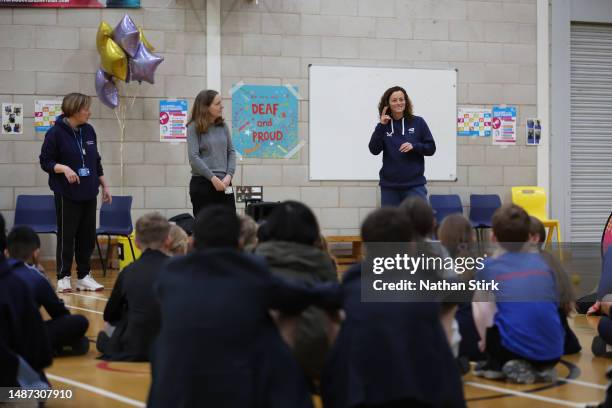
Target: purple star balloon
144	64
126	34
106	90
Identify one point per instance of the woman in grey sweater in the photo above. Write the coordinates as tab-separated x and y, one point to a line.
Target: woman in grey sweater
211	153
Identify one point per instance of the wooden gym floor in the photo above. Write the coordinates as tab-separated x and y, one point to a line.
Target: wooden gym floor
95	383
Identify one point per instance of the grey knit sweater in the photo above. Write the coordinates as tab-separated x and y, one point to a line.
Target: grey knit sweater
211	153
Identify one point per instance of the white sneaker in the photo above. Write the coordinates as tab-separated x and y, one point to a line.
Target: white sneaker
88	283
63	285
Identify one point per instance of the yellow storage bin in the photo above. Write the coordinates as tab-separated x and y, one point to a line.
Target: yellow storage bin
124	252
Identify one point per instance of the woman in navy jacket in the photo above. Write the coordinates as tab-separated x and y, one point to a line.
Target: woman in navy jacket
70	155
405	140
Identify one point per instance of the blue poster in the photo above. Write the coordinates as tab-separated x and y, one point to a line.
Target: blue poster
265	121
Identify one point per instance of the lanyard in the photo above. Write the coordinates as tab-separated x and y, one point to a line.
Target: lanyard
79	144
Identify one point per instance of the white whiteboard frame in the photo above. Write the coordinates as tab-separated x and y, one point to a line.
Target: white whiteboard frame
343	114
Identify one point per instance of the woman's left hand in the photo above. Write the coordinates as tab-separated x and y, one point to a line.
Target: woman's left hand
106	195
405	147
227	180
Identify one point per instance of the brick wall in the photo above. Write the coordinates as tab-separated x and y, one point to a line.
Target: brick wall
492	43
48	53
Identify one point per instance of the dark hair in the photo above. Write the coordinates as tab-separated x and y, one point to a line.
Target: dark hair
536	227
216	226
510	224
456	234
384	101
21	243
386	225
200	114
2	236
294	222
421	215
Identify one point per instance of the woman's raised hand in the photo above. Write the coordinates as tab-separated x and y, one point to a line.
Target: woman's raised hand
384	118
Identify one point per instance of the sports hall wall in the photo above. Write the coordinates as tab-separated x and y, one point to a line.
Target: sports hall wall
48	53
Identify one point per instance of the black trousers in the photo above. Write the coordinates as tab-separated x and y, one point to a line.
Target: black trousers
76	238
66	330
203	193
498	355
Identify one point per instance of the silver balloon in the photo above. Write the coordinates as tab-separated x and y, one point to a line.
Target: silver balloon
126	34
144	64
106	90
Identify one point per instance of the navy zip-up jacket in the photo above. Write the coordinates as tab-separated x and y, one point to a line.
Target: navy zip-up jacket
41	289
61	146
402	170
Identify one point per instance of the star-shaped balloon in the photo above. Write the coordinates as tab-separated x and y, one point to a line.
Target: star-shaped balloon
106	90
144	40
105	31
144	64
126	34
113	59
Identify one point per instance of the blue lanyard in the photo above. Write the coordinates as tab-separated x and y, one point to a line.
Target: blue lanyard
79	144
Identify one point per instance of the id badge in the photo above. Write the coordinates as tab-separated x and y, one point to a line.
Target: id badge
229	190
83	172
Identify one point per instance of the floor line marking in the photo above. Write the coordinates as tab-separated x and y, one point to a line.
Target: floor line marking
86	296
96	390
82	308
584	383
526	395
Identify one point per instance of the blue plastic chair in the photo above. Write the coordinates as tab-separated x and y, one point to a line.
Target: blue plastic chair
444	205
482	207
37	212
115	220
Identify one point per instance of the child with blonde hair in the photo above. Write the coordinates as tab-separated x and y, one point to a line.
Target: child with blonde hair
179	241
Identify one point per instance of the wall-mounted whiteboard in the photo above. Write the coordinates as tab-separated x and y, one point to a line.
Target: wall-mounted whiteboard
343	111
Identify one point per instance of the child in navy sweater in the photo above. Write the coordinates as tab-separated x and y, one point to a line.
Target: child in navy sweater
66	331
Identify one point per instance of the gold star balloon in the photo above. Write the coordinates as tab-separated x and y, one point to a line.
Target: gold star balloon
105	31
114	61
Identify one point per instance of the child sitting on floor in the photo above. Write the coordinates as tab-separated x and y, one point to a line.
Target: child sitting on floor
537	235
66	331
132	313
526	339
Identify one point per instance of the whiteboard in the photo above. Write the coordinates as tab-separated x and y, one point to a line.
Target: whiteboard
343	111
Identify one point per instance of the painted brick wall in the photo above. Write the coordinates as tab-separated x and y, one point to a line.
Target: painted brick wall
491	43
49	53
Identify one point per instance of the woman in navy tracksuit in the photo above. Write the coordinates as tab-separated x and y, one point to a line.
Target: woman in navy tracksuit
70	155
405	140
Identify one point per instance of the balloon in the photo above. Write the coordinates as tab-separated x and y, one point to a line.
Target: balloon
126	34
106	90
144	64
144	40
114	60
105	31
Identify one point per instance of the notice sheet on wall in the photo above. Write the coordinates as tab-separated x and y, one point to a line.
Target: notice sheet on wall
503	123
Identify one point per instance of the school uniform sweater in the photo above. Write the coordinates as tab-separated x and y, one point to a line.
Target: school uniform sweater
62	145
41	289
402	170
134	309
527	315
388	352
218	346
22	332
